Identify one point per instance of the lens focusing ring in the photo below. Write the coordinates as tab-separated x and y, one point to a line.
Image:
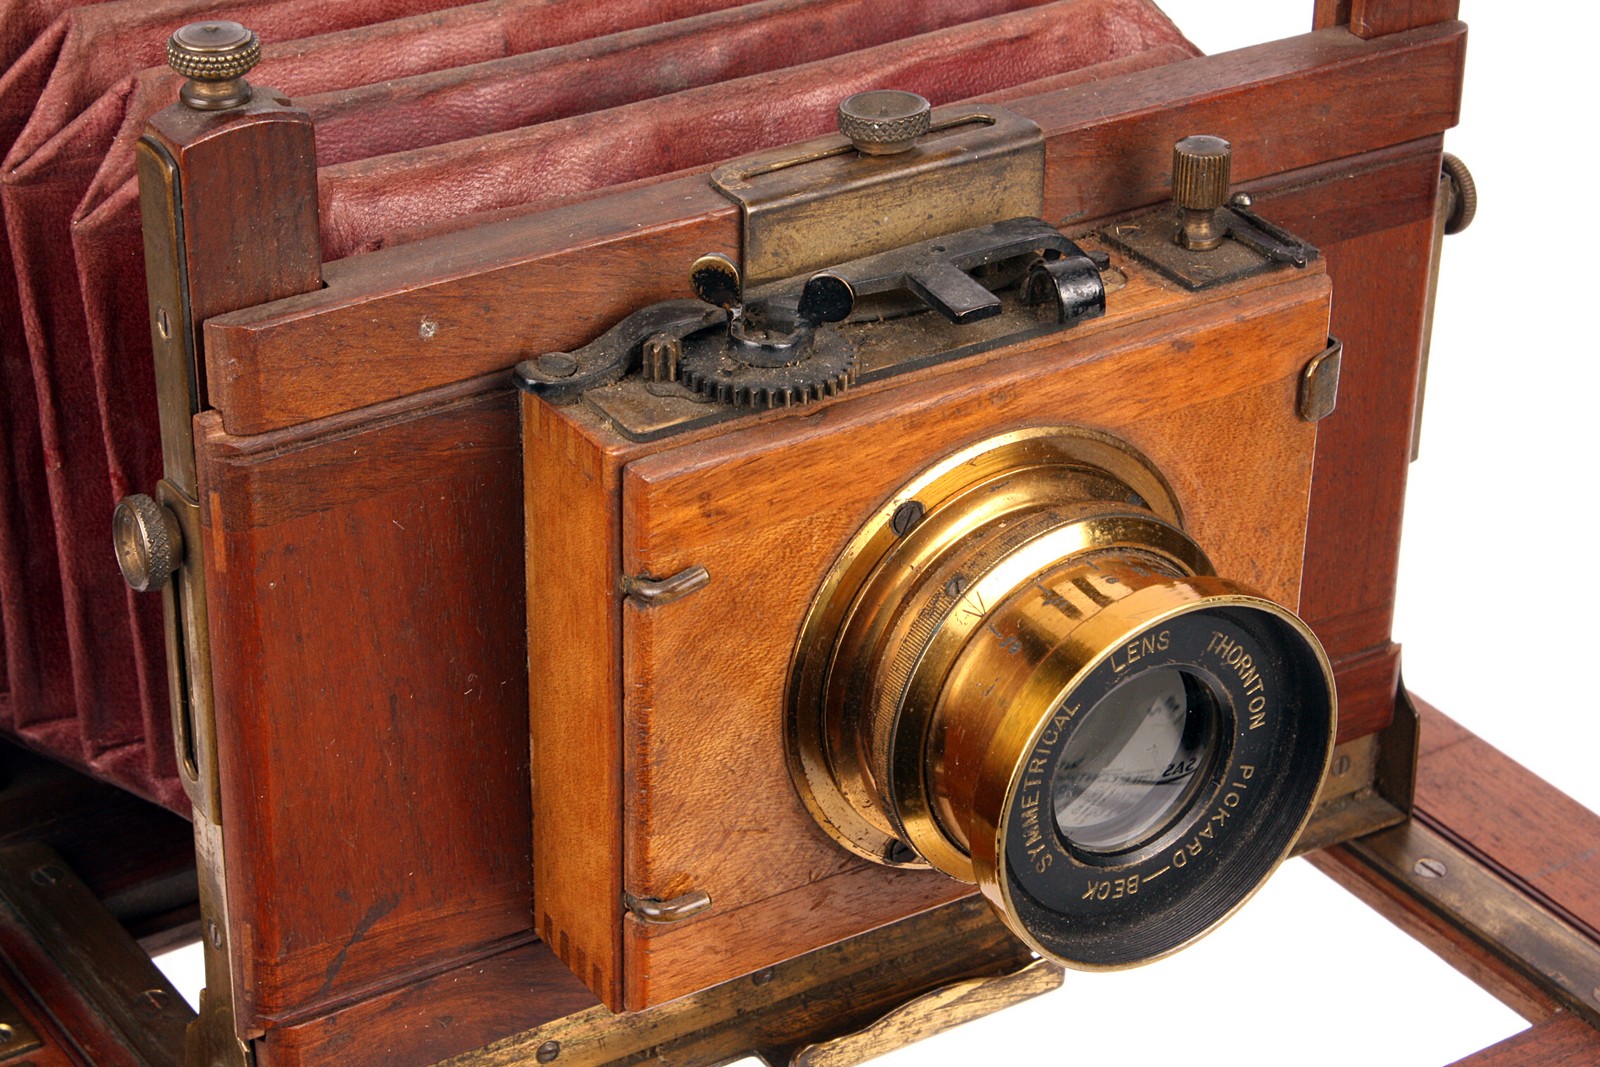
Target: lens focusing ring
931	691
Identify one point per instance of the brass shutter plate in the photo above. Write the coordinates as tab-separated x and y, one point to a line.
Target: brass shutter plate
820	202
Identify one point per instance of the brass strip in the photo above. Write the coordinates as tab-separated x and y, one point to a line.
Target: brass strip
172	329
178	398
213	1040
820	202
180	392
1444	207
1475	900
932	1014
808	1000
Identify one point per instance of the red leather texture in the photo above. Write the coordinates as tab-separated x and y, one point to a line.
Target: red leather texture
424	123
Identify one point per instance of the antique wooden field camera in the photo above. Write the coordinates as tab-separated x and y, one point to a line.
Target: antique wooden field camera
670	546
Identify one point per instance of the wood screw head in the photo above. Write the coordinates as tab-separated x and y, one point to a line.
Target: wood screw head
47	875
1428	867
547	1052
906	516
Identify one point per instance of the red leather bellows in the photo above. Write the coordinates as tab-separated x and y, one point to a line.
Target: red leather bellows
429	117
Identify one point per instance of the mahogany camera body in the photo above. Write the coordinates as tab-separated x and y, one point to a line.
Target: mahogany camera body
508	721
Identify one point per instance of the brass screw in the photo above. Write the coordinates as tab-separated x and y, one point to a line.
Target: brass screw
556	365
215	56
1428	867
1464	193
906	516
7	1034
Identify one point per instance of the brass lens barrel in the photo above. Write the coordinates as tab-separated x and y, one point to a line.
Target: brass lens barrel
1022	673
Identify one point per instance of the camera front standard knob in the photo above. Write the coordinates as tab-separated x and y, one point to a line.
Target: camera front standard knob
1201	173
147	540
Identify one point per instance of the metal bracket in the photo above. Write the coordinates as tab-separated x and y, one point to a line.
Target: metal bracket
821	202
61	940
1471	897
658	911
1319	382
653	592
1252	246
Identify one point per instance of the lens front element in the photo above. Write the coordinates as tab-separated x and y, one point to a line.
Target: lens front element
1137	757
1038	686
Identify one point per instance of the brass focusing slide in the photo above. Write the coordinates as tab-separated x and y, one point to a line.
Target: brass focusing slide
1022	673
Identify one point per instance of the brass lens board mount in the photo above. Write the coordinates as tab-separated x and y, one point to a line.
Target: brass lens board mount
1023	673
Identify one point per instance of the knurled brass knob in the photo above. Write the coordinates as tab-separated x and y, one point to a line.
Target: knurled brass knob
884	121
148	542
215	56
1201	168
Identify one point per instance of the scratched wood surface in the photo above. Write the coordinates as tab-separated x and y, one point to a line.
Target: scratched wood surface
708	800
1374	18
435	1016
371	696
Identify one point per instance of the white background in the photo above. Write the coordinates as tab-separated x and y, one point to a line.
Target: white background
1498	590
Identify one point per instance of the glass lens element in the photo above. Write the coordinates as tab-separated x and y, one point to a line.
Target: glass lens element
1134	761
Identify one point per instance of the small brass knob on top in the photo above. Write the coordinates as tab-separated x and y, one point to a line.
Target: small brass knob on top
884	121
148	542
1201	172
215	56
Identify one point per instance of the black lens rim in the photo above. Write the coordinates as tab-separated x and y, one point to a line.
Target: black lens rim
1104	911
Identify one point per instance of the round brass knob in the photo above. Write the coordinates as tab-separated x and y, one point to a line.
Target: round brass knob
1201	168
148	542
884	121
215	56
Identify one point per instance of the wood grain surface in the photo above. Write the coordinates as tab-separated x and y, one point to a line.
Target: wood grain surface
766	509
504	292
1374	18
369	655
1560	1041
